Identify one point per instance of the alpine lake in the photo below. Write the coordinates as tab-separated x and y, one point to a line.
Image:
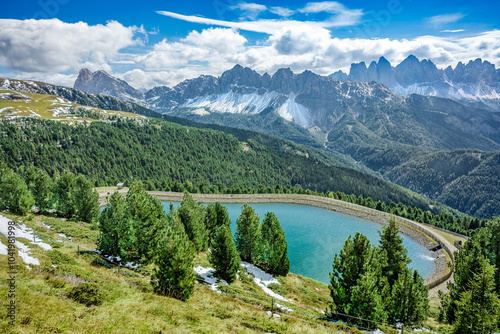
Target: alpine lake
315	235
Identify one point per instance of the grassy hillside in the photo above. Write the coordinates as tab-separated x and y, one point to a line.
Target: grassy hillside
127	302
15	104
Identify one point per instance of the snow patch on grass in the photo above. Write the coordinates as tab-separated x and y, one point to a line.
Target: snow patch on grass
263	279
208	275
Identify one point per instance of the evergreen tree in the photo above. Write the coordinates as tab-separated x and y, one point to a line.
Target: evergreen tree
64	187
109	221
369	295
173	274
223	255
192	215
86	199
14	193
216	216
478	306
467	263
494	248
247	228
348	267
42	190
147	221
397	255
409	299
273	248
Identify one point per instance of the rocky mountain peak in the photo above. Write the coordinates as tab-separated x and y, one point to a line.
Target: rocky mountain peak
100	82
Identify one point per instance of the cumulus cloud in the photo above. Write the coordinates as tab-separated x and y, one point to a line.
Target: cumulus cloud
55	46
440	20
302	47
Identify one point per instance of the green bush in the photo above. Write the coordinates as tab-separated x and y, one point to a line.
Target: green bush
88	294
60	258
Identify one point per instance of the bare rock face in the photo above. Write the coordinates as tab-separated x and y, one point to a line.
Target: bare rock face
476	83
100	82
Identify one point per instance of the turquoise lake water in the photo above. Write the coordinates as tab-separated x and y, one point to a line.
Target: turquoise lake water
315	235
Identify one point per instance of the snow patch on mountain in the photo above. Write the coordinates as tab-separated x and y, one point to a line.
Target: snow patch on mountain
234	103
295	112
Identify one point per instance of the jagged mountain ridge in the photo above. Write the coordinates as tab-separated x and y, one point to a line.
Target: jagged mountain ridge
314	101
476	83
100	82
243	98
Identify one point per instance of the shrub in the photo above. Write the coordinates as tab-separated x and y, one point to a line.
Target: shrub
88	294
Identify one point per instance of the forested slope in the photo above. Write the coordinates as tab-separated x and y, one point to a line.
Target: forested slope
162	151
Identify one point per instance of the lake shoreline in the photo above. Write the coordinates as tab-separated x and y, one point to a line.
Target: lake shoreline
422	234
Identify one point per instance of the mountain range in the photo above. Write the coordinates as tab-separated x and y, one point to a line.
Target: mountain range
365	124
476	83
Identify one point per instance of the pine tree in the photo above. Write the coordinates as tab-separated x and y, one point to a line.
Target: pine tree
64	186
109	221
367	297
247	228
147	221
192	215
216	216
223	255
478	306
409	298
14	193
273	248
85	199
397	255
348	267
494	254
42	190
173	274
467	263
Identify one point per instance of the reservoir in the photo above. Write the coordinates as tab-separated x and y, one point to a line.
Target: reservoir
315	235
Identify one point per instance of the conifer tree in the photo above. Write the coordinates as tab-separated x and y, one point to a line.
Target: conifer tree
109	222
467	263
273	248
397	255
223	255
147	221
85	199
367	296
247	228
14	193
42	190
173	274
409	298
479	306
192	215
63	189
348	267
216	216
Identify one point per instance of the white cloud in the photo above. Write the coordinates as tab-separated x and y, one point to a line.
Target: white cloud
343	18
440	20
281	11
250	10
453	31
55	46
304	47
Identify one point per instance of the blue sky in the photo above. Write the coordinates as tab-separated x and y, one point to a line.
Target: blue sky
151	43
